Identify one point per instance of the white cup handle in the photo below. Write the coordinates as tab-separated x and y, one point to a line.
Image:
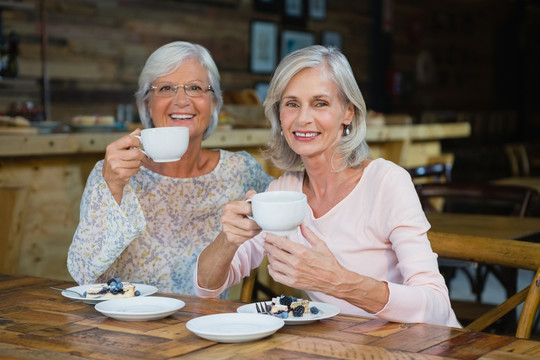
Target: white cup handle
141	150
250	217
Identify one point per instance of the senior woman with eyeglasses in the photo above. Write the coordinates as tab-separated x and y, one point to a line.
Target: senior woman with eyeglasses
363	244
146	222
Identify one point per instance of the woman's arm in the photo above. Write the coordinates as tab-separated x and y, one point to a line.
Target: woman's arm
105	228
215	260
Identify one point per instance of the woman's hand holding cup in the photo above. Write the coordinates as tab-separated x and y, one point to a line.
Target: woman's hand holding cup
122	161
235	221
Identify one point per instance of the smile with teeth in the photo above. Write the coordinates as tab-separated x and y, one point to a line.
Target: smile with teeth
182	116
305	135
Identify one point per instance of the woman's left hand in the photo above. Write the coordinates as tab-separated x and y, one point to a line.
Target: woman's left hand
298	266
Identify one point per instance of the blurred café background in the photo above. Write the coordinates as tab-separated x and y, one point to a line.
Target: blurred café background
449	81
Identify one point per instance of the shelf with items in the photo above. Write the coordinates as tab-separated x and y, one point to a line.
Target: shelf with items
16	5
15	87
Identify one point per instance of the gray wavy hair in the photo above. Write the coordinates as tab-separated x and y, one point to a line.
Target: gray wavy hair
352	147
167	59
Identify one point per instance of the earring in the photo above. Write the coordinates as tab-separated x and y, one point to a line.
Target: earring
281	132
346	129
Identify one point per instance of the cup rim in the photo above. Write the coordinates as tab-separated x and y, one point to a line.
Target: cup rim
269	194
170	128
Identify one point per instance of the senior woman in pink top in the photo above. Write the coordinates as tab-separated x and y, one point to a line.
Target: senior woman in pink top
363	244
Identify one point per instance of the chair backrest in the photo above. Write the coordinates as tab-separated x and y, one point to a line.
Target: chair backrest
436	172
503	252
518	158
512	200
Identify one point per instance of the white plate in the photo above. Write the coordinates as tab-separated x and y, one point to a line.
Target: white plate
325	311
234	327
140	308
144	289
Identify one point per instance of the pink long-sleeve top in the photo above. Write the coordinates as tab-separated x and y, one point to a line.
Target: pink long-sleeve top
378	230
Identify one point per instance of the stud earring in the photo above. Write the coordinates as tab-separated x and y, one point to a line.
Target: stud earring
281	132
346	129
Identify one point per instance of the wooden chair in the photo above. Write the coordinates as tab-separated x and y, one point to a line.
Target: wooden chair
251	286
501	252
518	158
513	200
479	198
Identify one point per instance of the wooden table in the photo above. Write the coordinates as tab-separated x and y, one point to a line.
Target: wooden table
529	181
37	322
508	227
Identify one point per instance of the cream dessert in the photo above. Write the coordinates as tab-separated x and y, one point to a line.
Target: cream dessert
114	289
288	306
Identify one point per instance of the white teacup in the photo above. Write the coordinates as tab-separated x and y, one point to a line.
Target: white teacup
279	212
164	144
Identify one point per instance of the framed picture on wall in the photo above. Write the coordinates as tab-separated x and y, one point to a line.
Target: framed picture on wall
294	12
266	5
317	9
263	51
332	38
293	40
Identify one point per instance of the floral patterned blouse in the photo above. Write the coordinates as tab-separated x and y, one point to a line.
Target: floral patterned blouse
161	226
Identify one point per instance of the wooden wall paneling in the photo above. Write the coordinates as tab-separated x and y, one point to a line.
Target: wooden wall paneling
99	45
12	224
55	186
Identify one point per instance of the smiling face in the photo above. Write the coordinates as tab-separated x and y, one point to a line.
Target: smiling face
312	114
182	110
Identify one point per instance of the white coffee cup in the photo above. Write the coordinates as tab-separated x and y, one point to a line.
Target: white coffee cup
279	212
164	144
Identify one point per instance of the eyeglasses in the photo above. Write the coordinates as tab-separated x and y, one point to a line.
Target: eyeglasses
168	89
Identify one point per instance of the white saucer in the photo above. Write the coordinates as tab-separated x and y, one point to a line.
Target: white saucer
325	311
144	289
140	308
234	327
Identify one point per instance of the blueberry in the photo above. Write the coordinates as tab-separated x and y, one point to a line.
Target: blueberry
119	286
314	310
285	300
298	311
84	294
137	293
284	315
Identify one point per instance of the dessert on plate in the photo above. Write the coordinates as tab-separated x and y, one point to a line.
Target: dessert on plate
288	306
114	289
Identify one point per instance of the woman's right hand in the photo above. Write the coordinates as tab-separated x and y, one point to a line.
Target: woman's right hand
215	260
236	225
122	161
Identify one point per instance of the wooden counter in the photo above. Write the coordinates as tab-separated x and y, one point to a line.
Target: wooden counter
90	143
49	172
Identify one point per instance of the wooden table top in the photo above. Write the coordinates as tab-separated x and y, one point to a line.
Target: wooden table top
529	181
508	227
37	322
